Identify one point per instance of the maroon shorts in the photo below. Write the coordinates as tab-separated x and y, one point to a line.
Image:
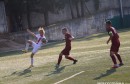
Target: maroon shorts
66	51
115	47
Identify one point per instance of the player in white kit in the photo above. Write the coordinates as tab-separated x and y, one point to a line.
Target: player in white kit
36	45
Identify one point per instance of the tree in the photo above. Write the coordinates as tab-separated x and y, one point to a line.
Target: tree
44	6
79	4
71	3
82	7
96	4
77	7
27	10
82	2
14	10
62	3
71	9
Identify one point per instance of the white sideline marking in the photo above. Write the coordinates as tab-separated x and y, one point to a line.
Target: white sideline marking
69	77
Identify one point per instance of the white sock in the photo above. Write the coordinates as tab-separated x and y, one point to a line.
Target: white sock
31	61
117	65
27	46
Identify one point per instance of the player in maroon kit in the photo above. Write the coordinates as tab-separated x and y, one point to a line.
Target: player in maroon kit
66	50
114	38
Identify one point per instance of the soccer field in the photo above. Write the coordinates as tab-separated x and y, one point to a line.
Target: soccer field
93	65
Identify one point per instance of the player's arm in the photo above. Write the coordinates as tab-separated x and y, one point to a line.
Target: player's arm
110	38
31	33
71	38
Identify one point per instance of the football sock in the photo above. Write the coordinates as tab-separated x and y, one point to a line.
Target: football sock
70	58
119	58
113	59
27	46
59	60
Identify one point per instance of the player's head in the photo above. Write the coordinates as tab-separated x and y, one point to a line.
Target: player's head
41	30
108	24
64	30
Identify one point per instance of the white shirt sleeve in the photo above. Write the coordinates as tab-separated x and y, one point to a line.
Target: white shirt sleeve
37	35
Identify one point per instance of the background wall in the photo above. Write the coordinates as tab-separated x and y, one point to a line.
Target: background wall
65	13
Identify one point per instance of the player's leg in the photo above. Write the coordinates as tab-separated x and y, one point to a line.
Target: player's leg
60	58
119	58
35	49
117	54
29	42
32	60
70	58
112	55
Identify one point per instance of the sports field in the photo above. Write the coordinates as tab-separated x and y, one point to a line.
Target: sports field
93	65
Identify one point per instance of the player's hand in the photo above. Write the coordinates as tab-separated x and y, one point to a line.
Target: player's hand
108	42
45	42
72	37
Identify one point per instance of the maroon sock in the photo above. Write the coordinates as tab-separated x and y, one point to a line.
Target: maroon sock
59	60
113	59
119	58
70	58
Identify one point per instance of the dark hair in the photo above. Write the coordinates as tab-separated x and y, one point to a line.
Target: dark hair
65	29
108	22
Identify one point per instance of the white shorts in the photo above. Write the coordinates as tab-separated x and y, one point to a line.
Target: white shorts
36	47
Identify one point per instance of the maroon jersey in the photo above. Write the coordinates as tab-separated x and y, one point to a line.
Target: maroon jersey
67	40
66	50
115	36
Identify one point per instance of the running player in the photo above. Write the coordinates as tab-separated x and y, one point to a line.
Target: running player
114	38
36	45
67	49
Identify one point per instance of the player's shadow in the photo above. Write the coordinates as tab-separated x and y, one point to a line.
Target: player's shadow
108	72
22	73
59	70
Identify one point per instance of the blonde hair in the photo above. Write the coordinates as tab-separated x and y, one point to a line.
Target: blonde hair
41	29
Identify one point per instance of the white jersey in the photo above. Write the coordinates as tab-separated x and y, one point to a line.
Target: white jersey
39	39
